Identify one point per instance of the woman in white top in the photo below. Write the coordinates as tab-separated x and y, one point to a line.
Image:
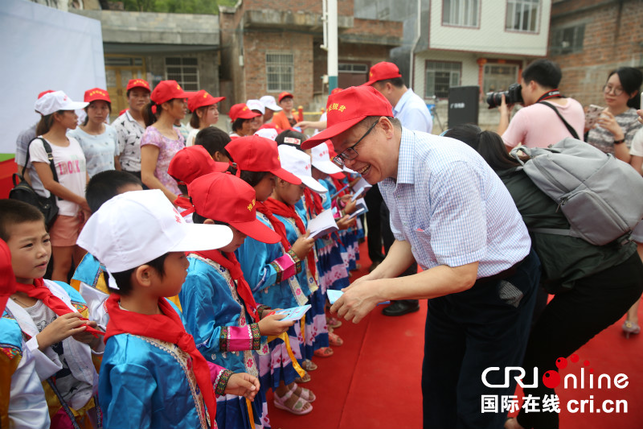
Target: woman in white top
98	140
205	113
58	116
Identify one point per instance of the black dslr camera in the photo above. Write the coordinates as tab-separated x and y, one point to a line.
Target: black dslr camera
512	96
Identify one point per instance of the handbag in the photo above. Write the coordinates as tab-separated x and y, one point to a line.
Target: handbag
22	190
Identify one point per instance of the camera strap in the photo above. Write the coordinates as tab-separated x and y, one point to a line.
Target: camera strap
571	130
551	94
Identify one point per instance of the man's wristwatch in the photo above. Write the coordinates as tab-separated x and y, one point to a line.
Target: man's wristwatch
619	141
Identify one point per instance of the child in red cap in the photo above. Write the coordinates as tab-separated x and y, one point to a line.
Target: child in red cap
228	326
205	112
161	141
97	139
272	268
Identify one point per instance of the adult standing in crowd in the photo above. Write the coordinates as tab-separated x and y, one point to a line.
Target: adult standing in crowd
412	112
271	106
536	124
130	126
98	140
242	119
479	274
205	113
161	140
619	122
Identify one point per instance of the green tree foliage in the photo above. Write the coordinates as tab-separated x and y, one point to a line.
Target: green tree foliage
206	7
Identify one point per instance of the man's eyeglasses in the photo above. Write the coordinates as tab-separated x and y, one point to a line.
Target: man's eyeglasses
609	88
351	153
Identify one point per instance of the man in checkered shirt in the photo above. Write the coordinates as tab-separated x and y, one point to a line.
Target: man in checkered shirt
452	214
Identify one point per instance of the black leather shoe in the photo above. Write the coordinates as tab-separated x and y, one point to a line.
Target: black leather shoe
400	308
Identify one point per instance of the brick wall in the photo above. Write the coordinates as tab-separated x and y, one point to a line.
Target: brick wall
613	36
257	43
344	7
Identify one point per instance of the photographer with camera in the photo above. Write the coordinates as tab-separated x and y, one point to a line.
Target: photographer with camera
548	116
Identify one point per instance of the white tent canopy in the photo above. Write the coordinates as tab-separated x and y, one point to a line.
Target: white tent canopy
43	48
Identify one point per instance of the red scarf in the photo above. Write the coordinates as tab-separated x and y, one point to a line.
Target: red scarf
38	290
313	202
285	210
165	327
185	204
229	261
276	224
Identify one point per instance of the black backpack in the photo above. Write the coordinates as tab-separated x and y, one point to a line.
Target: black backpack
22	190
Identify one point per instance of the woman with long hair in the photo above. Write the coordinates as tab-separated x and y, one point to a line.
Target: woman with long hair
161	140
58	116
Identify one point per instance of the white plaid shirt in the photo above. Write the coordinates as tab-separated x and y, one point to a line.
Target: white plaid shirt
452	208
129	134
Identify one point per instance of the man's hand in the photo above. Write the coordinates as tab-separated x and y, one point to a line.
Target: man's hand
242	384
358	299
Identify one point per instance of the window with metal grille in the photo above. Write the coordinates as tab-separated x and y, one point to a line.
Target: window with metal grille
440	76
460	12
567	40
183	70
280	71
498	77
523	15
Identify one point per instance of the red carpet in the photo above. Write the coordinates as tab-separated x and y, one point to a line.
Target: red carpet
373	380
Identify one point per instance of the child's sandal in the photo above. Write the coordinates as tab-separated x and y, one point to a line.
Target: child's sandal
309	365
299	408
324	352
332	322
305	379
305	394
334	339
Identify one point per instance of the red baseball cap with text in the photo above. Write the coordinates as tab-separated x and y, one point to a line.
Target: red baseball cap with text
192	162
167	90
137	83
96	94
242	111
256	153
226	198
382	71
348	107
200	99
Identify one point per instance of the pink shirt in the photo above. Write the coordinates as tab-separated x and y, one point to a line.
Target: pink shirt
167	149
539	126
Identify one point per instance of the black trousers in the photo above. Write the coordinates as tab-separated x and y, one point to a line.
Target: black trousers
468	332
573	318
374	202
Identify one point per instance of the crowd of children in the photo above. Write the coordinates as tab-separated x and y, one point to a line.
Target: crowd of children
173	316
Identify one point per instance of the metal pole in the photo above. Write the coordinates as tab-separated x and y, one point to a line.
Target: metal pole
332	45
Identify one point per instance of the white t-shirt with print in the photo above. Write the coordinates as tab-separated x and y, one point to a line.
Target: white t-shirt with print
70	167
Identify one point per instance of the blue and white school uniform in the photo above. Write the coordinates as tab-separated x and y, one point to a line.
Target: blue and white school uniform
215	315
271	273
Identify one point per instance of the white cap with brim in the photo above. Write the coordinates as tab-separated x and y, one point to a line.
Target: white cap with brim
256	105
298	163
54	101
137	227
269	102
321	159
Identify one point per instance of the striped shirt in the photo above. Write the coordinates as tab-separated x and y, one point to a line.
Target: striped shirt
452	208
